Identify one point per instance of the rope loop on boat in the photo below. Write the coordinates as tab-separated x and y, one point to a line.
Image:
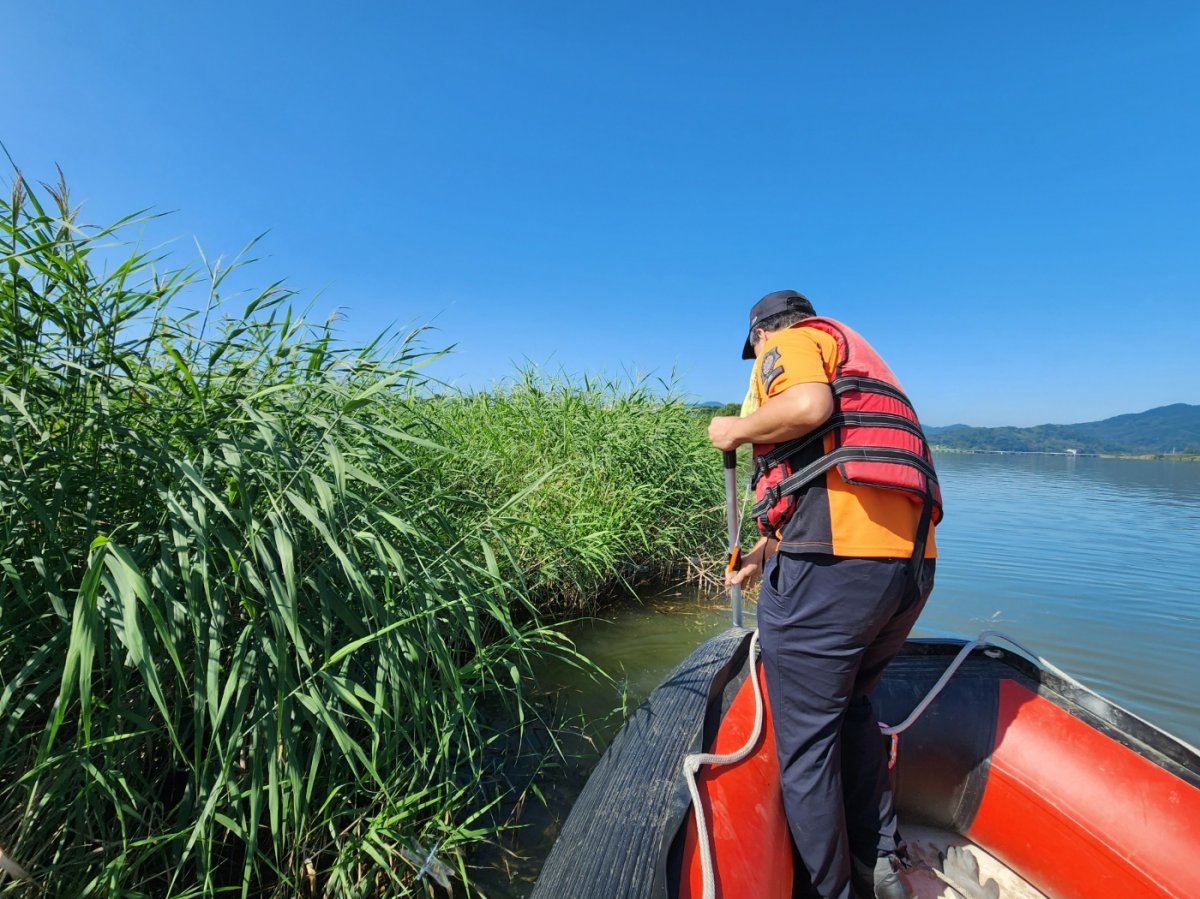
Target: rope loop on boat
693	761
982	640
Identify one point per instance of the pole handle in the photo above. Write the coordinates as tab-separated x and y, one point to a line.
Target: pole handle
731	520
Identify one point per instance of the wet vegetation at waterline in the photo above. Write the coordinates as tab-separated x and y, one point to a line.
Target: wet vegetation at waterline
269	603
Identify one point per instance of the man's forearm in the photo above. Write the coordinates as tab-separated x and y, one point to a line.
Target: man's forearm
785	416
791	414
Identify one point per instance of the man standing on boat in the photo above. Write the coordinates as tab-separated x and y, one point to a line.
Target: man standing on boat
846	497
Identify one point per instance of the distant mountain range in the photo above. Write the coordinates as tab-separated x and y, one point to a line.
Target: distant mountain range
1167	429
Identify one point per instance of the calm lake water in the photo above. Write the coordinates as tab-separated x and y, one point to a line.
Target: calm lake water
1091	563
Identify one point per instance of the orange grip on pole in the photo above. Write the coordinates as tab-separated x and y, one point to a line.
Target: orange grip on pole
735	560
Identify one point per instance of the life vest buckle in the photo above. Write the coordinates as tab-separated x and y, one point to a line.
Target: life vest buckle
760	468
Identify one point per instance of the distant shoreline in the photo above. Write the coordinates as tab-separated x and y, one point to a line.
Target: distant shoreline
1143	457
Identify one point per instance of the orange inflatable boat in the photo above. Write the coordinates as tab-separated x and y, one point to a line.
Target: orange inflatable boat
1012	780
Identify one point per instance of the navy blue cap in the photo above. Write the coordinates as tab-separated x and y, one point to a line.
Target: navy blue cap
773	304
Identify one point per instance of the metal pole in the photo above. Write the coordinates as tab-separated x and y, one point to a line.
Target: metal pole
731	520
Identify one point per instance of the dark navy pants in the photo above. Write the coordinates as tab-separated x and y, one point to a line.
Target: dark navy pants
828	626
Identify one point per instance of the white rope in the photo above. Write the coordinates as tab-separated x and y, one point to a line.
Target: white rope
981	640
693	761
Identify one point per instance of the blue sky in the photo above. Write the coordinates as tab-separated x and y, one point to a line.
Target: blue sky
1003	197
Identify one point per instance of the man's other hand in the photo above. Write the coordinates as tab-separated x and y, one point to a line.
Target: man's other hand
750	569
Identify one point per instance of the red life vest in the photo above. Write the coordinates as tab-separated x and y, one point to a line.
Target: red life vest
877	439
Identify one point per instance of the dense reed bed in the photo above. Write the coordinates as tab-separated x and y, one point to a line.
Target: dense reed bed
627	485
269	604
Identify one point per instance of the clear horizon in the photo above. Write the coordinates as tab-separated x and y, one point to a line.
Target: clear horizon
967	424
1002	199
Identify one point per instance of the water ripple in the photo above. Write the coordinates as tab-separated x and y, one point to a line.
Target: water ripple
1092	561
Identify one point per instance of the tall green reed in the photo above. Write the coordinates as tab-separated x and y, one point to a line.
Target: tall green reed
632	487
243	648
269	604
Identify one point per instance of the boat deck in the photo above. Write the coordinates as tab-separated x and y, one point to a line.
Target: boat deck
946	865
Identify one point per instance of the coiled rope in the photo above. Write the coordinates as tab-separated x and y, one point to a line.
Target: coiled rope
693	761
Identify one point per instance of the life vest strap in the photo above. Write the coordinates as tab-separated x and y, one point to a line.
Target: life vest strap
835	421
792	447
847	383
799	478
920	538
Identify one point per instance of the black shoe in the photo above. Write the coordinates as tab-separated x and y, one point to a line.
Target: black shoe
881	882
